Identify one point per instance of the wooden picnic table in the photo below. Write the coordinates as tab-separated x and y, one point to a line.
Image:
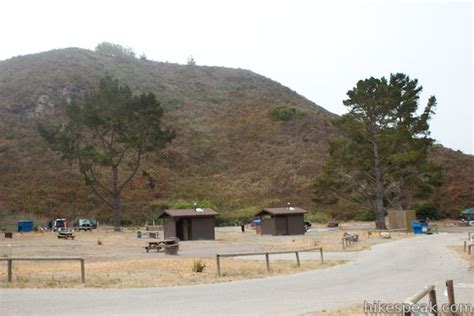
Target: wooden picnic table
160	244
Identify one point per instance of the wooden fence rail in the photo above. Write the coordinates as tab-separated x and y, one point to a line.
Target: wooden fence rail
430	290
267	256
427	290
11	259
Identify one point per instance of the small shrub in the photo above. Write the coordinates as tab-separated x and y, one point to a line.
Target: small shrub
428	210
364	215
281	113
99	242
126	222
198	266
236	217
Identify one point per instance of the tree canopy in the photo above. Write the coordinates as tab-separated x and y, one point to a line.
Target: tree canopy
108	136
114	50
382	151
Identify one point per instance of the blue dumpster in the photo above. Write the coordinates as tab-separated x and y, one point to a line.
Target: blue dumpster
25	226
419	227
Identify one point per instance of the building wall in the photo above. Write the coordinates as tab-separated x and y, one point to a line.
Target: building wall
281	225
268	226
169	227
401	219
296	224
202	228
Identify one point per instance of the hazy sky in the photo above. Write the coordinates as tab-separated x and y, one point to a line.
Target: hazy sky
320	49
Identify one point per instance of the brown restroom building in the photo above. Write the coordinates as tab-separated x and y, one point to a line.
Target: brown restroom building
282	221
189	224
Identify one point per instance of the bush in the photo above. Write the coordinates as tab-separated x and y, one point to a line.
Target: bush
126	222
318	217
236	217
364	215
429	210
198	266
281	113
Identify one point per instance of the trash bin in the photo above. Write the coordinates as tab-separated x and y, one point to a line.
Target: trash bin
25	226
424	227
419	227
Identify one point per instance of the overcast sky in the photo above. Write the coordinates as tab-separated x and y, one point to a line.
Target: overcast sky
320	49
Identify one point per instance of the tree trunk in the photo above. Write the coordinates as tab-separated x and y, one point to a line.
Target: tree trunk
116	200
404	203
379	191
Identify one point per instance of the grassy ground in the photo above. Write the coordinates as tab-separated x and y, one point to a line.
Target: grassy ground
119	259
156	272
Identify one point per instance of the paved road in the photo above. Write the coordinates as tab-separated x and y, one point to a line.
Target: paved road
388	272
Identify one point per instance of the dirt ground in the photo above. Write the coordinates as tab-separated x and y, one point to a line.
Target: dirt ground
119	259
464	254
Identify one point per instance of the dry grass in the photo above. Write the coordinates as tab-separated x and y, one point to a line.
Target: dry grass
120	261
157	272
351	311
470	258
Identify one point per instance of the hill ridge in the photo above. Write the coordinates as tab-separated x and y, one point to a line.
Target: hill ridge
228	150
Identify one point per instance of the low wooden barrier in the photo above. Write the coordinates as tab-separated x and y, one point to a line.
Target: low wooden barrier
380	231
347	241
430	290
11	259
468	246
427	290
267	256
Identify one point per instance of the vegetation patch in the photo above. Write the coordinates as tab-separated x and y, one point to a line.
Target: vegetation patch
283	113
318	217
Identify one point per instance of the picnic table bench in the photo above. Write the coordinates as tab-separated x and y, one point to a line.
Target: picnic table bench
65	234
161	244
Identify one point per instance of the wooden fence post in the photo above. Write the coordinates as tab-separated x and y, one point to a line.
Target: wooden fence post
297	258
465	245
321	252
218	263
10	268
83	271
469	248
433	302
450	290
343	246
267	259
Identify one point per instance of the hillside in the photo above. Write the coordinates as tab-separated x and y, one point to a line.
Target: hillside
227	150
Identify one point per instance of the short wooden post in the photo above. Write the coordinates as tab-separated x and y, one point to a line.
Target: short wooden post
83	271
218	264
450	290
267	259
433	302
297	258
343	245
469	248
10	270
321	252
465	245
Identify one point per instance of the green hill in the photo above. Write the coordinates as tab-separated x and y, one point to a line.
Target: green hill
228	149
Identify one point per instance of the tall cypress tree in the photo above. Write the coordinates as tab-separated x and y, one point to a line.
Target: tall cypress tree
382	149
108	137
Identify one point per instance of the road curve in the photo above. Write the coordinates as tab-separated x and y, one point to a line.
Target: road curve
388	272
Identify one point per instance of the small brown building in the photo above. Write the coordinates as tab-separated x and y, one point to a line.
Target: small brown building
189	224
282	221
